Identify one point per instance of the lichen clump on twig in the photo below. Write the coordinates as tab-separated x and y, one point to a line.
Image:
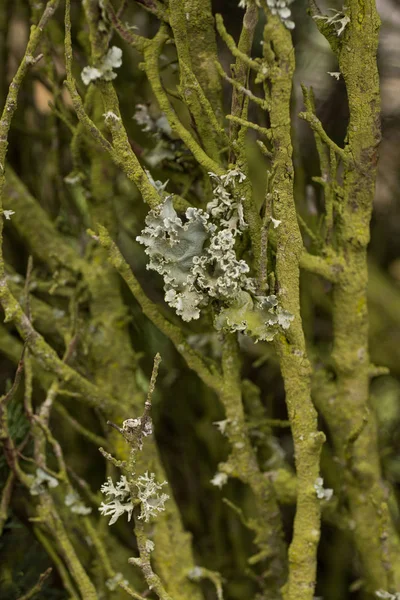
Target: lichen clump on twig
121	500
277	7
112	60
197	259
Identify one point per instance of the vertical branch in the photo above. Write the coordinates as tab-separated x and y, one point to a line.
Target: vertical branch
181	14
203	51
10	108
240	69
242	463
295	366
352	420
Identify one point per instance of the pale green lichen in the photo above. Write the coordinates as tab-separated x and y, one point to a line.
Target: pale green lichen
104	70
219	479
74	502
152	502
113	583
41	482
277	7
322	493
120	502
197	259
257	316
123	501
160	130
339	19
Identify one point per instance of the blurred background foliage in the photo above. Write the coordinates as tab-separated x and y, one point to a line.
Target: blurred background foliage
184	409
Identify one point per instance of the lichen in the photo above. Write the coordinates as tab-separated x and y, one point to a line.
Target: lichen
120	502
322	493
113	583
197	259
219	479
277	7
74	502
104	70
339	19
123	500
152	502
41	482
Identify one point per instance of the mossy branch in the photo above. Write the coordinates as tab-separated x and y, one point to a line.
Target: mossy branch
249	125
150	65
262	103
317	126
294	363
208	374
48	357
179	19
120	151
38	585
242	463
328	267
230	42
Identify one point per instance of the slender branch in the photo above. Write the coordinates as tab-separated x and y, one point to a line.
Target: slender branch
120	151
38	586
328	267
239	105
6	499
156	8
152	580
208	374
248	124
62	570
207	134
151	55
230	42
278	55
97	440
242	89
317	126
47	357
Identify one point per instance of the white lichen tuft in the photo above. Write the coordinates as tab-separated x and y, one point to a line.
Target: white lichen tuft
8	214
277	7
149	546
335	74
281	8
219	479
151	501
41	482
73	178
120	502
110	116
159	129
143	118
221	425
147	123
275	222
74	502
339	19
157	184
197	259
112	60
322	493
113	583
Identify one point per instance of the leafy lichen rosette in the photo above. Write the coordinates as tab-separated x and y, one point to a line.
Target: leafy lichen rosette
197	259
